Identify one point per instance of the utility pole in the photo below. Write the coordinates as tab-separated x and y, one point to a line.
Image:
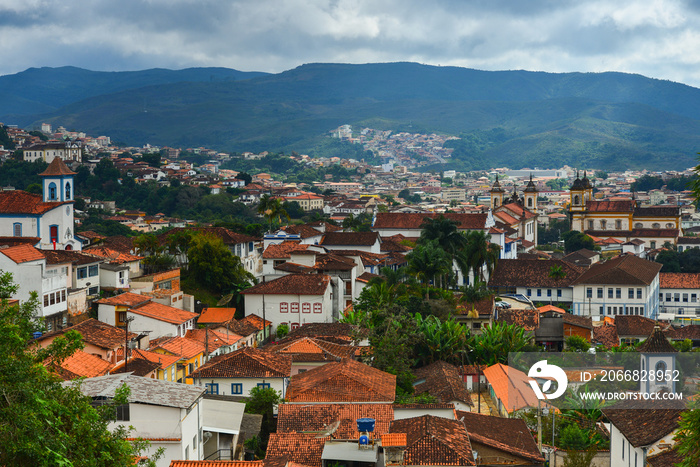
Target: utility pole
126	344
539	425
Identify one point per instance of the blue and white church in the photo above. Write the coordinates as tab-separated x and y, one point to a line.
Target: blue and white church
47	217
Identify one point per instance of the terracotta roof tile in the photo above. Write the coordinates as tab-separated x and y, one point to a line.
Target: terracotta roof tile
125	299
643	422
390	440
413	221
22	253
442	381
624	269
634	325
298	447
185	348
532	273
216	339
340	333
306	284
283	250
247	362
56	168
434	441
350	238
164	313
228	236
686	332
69	256
656	343
213	315
668	458
510	435
346	381
304	231
610	206
13	241
101	334
81	364
679	280
305	349
21	202
606	335
113	256
315	417
510	386
163	361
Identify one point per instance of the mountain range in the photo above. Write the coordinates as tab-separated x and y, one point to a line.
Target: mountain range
505	118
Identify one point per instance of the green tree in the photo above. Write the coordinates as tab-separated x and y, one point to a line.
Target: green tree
213	266
444	232
155	256
478	253
670	260
43	423
496	341
428	261
282	331
441	340
688	436
574	241
576	458
263	401
577	344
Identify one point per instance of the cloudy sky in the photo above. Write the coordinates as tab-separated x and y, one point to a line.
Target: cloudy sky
655	38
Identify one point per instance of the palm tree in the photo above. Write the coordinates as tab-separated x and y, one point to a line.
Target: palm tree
478	253
428	261
444	231
272	208
473	294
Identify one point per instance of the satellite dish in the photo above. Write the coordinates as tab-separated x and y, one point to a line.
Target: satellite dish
224	300
328	430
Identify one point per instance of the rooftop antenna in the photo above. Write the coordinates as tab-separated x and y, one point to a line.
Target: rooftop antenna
328	430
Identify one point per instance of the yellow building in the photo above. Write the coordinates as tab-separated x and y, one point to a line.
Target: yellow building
190	353
624	219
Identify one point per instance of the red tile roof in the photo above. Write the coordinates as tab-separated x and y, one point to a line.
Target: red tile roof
164	313
296	284
21	202
315	417
643	423
307	349
434	441
346	381
621	270
510	386
181	346
22	253
442	381
101	334
634	325
610	206
298	447
125	299
532	273
216	339
390	440
510	435
229	237
162	360
247	362
113	256
80	364
413	221
56	168
679	280
213	315
606	335
283	250
350	238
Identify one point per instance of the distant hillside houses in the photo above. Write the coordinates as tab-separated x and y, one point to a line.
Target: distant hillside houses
68	151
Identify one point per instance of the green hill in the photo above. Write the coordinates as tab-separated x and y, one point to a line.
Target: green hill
513	118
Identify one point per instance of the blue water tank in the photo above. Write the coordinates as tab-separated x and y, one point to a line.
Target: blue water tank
36	334
364	440
365	424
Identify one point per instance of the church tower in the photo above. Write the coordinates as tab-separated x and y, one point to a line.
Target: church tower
577	193
530	196
57	182
496	194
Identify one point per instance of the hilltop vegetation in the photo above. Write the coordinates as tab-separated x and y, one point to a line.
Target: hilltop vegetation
514	118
